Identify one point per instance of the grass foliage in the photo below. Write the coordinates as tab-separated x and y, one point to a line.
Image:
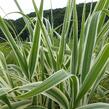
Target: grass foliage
55	70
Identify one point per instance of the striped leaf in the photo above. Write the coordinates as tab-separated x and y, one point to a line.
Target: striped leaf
34	52
18	104
64	34
48	83
89	44
94	72
20	58
74	61
95	106
45	36
55	94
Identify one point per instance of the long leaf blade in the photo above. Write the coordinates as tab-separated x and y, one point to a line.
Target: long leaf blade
34	52
90	42
74	61
8	35
95	71
47	84
95	106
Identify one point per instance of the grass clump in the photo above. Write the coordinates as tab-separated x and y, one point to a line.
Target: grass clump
54	72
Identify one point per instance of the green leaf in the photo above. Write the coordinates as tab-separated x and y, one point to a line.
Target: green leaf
4	68
65	29
45	37
3	91
94	72
74	61
55	94
89	44
82	39
20	58
35	107
74	84
102	4
3	64
5	99
34	52
47	84
95	106
105	27
17	104
58	96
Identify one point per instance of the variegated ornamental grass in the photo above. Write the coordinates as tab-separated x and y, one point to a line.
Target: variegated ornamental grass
55	70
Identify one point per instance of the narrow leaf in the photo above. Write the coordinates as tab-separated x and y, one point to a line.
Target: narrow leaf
47	84
90	42
34	52
8	35
94	72
95	106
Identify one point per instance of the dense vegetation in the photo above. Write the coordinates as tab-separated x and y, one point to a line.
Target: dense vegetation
56	69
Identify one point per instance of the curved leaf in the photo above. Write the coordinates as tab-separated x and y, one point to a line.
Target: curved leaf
35	107
20	58
17	104
47	84
95	106
55	94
